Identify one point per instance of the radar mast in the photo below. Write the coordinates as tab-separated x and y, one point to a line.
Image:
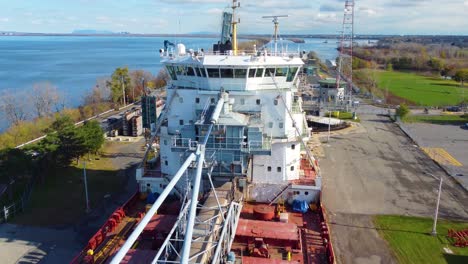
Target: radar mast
276	22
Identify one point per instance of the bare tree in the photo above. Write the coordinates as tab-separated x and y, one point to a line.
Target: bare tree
13	106
43	97
140	79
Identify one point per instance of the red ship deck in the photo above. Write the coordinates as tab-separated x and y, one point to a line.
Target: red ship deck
301	240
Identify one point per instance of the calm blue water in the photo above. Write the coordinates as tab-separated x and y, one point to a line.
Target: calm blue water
73	64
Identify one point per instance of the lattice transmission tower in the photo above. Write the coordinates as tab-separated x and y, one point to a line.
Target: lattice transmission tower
345	58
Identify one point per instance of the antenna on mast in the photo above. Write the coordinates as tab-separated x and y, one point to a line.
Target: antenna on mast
235	5
276	22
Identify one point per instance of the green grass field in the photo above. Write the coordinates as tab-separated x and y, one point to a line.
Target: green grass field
437	119
421	90
409	239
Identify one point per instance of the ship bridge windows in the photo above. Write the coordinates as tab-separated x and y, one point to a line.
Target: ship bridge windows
172	72
270	72
256	72
190	71
291	74
259	73
202	72
252	72
180	70
240	73
227	73
213	72
280	72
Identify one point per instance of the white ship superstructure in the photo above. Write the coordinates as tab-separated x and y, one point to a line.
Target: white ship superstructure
232	130
256	136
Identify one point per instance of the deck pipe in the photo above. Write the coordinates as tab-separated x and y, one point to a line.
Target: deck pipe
147	218
196	186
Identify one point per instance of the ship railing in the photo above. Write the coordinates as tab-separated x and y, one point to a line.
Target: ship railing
246	108
247	52
178	142
296	108
253	145
228	233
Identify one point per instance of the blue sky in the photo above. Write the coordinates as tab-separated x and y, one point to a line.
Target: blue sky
185	16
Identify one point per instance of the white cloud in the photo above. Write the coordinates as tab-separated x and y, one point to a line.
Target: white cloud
4	19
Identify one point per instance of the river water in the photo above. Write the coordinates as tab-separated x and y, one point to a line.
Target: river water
73	64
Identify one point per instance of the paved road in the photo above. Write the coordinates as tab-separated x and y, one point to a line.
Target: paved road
30	245
378	170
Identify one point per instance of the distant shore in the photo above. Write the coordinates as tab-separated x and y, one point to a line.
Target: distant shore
194	35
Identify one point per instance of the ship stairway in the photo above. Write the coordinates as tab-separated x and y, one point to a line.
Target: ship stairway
162	117
279	194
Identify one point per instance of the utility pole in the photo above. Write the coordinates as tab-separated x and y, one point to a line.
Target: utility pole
86	187
436	214
329	124
123	90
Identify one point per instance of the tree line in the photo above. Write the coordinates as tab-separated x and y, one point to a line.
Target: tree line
64	143
442	59
28	114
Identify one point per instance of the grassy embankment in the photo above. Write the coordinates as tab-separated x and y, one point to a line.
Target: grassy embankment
448	119
347	116
60	200
29	130
411	242
418	89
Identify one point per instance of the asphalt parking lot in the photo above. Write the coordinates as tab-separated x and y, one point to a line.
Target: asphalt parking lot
374	170
450	146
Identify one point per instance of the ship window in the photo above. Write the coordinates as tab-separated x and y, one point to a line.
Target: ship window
251	73
181	99
181	122
212	100
180	70
275	102
172	72
292	168
213	73
165	142
281	72
166	163
190	71
306	193
259	73
281	125
227	73
202	72
293	146
269	168
270	72
240	73
278	169
258	101
270	124
291	74
242	101
197	100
